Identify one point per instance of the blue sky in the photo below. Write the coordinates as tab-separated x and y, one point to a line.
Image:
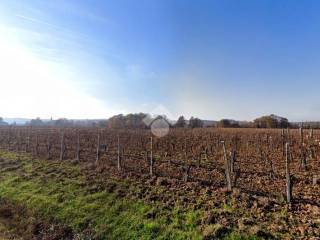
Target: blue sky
212	59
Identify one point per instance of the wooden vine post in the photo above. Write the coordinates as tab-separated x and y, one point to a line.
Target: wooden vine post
28	141
301	134
288	176
62	146
9	138
227	167
151	157
186	168
118	152
283	142
288	134
19	141
233	160
78	146
303	161
49	146
37	145
98	149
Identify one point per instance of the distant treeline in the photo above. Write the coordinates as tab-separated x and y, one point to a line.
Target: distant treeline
64	122
144	121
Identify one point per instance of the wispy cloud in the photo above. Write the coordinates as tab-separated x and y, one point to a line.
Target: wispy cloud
82	10
34	20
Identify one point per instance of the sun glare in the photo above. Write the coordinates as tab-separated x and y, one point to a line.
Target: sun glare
32	85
